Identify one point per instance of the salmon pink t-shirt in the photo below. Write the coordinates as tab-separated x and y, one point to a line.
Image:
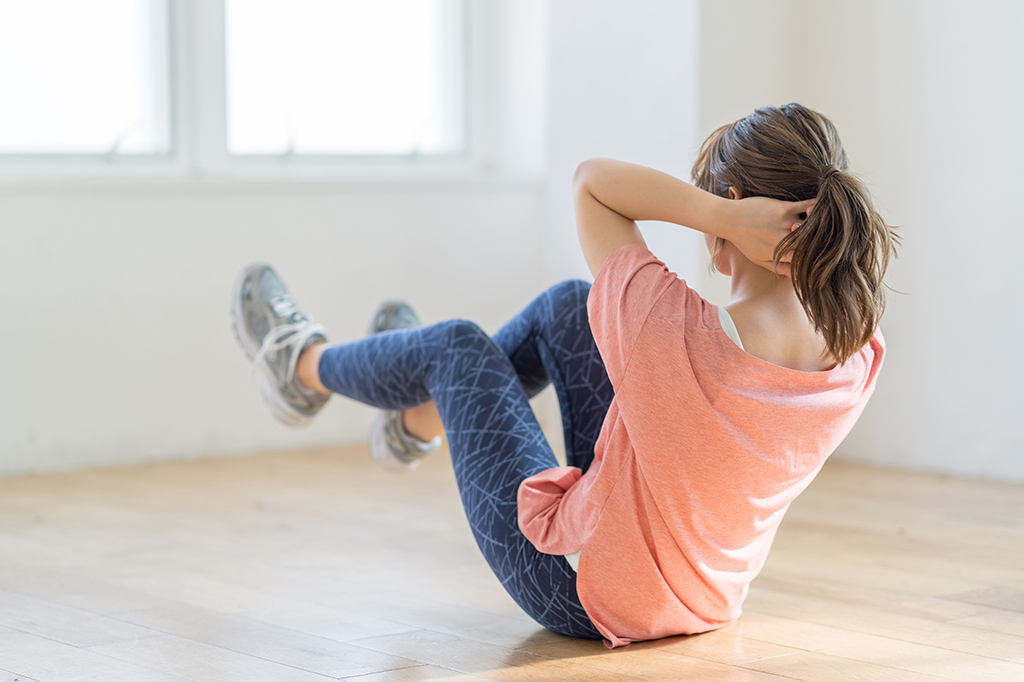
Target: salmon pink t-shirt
703	449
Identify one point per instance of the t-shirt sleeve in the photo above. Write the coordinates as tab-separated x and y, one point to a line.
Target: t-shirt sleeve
552	510
627	287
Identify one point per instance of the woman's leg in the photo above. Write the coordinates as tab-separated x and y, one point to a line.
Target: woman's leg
550	340
494	439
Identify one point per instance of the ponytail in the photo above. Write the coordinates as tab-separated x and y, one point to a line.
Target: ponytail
839	256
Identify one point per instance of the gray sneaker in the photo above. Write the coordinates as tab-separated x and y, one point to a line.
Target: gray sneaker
390	444
273	331
393	315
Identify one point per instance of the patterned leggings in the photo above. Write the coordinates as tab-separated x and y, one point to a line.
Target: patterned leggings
481	386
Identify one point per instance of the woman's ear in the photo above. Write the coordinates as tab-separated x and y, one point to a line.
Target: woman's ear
733	194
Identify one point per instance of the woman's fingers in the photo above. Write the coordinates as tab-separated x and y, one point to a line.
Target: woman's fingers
784	266
799	209
765	223
796	213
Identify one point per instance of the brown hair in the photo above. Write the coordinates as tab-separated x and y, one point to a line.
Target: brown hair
841	251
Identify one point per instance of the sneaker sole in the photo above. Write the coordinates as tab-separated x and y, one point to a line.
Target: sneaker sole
237	314
381	453
282	411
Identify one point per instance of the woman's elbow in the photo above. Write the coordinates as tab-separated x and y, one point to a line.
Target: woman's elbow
583	174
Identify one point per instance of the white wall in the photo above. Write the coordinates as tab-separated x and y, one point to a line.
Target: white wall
927	95
743	65
116	302
624	84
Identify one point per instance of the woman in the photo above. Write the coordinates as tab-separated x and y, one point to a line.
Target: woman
689	428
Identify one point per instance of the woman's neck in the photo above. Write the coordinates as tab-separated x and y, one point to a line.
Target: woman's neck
771	322
753	284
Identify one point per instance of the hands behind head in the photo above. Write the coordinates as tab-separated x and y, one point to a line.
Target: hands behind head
757	224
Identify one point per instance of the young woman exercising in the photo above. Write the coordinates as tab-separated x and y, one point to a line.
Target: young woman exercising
689	428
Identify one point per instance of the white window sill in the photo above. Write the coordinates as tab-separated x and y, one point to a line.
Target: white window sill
354	177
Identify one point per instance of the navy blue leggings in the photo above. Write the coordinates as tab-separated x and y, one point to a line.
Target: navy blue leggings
481	387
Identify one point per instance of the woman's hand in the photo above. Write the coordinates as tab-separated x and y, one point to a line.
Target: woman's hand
755	225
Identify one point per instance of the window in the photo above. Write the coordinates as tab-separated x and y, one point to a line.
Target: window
343	77
202	84
84	77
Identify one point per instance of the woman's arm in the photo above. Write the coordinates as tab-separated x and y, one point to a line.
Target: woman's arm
610	196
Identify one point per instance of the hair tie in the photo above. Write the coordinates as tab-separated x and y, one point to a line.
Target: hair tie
830	171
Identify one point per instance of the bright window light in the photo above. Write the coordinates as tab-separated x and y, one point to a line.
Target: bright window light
84	77
360	77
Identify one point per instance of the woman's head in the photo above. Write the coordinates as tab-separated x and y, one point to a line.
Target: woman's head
841	251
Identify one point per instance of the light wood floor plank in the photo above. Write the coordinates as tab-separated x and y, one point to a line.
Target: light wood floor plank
421	673
815	667
851	616
997	597
43	659
261	640
8	676
479	658
784	632
951	665
996	620
722	647
64	624
193	660
665	660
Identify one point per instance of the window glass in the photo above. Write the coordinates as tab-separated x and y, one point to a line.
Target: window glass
344	76
84	77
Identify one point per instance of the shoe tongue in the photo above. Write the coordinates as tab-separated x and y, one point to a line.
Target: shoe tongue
273	292
284	307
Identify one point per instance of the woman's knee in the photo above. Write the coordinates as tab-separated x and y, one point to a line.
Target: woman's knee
465	333
571	289
567	305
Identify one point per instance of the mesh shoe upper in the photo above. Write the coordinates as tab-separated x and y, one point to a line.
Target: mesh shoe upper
394	315
273	330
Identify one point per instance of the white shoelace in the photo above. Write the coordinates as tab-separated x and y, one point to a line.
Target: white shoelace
283	336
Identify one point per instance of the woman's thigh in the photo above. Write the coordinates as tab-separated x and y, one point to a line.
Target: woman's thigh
550	341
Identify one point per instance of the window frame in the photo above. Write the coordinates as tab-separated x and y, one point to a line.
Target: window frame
71	162
197	118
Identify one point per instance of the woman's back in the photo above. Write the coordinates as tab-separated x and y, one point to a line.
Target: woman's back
702	451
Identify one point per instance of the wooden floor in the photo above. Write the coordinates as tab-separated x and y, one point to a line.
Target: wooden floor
316	565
